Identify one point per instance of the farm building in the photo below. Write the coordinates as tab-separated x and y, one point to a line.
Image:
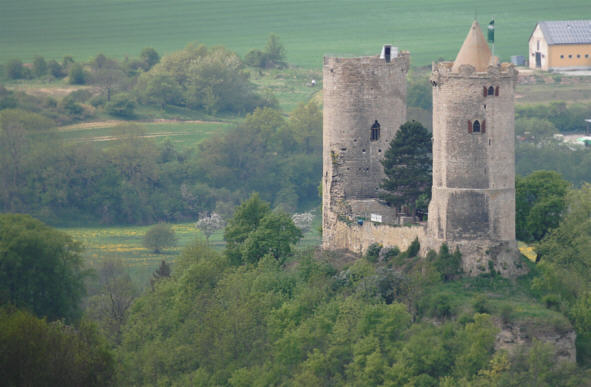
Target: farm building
561	45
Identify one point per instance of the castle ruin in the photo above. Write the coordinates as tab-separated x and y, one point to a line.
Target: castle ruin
473	195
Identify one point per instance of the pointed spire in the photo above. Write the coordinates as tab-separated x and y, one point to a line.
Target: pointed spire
474	51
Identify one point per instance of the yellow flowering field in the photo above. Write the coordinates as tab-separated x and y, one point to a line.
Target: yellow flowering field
126	244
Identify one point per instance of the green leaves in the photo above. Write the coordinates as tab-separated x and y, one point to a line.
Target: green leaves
40	268
408	166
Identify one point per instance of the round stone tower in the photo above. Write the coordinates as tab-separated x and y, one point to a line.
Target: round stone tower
473	197
364	105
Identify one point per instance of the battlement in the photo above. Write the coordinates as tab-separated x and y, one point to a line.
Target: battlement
445	70
398	57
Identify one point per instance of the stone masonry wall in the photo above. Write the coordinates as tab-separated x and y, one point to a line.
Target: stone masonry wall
358	92
358	238
473	197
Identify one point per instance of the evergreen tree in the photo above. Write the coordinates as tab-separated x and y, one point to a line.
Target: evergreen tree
408	166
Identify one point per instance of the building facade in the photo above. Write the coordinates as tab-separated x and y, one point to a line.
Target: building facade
561	45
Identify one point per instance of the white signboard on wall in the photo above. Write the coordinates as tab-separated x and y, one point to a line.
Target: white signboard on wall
376	218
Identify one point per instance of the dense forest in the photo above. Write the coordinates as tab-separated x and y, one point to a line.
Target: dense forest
264	310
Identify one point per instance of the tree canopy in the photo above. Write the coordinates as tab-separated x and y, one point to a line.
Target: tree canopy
40	268
408	166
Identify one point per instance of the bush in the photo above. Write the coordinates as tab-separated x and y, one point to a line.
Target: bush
55	69
39	66
373	252
413	249
76	75
159	236
15	69
480	304
506	313
255	58
121	105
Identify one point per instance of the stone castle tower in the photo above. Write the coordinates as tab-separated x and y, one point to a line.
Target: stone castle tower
364	105
473	197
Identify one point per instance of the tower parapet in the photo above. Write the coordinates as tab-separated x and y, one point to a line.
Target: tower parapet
473	195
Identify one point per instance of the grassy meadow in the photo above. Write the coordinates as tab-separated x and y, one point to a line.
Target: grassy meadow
126	244
182	135
309	29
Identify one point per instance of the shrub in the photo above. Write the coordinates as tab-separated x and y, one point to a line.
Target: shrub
506	313
39	66
413	249
15	69
373	252
76	75
480	304
121	105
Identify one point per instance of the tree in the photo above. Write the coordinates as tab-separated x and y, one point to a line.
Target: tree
15	69
210	224
408	166
39	66
246	219
40	268
159	236
76	74
150	57
540	199
274	51
274	235
115	293
36	353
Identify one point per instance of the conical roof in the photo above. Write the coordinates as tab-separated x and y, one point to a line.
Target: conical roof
474	51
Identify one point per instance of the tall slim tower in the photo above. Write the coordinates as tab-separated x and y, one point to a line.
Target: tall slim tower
364	105
473	197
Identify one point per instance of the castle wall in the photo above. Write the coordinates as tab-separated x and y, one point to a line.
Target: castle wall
358	238
357	93
473	197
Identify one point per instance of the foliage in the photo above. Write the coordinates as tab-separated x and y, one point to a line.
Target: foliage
40	268
565	263
210	224
121	105
150	57
255	231
407	165
565	118
36	353
111	294
159	237
540	199
15	69
198	77
447	264
76	74
537	129
39	66
273	54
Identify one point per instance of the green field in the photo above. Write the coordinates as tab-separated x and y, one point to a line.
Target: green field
309	29
182	135
125	243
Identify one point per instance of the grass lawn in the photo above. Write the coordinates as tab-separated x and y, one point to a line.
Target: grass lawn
309	29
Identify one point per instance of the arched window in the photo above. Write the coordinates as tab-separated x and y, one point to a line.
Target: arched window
476	127
491	91
375	131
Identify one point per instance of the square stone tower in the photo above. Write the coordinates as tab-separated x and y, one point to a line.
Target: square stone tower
364	105
473	197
